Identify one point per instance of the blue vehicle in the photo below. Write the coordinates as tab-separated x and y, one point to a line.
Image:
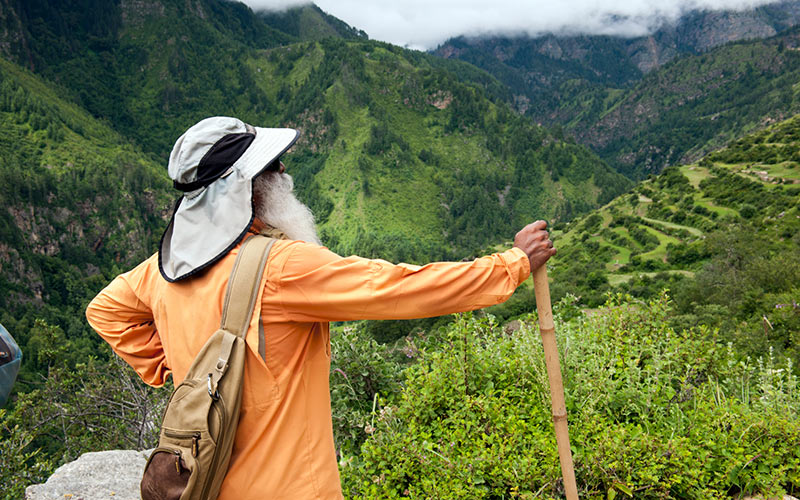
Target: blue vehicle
10	360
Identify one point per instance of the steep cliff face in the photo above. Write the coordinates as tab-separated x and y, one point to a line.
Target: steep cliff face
705	31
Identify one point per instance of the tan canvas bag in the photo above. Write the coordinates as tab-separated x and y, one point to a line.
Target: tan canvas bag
200	420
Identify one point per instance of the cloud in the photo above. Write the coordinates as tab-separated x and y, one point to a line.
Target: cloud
275	5
424	24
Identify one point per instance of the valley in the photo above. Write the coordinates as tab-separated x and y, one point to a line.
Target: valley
667	166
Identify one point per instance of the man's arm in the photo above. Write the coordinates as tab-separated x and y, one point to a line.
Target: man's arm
314	284
126	323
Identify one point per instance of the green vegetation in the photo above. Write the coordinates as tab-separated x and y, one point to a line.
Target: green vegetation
642	116
403	155
79	204
62	233
547	70
428	166
150	70
79	403
309	22
654	413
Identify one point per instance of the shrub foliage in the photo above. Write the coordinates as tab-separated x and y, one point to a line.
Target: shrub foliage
654	413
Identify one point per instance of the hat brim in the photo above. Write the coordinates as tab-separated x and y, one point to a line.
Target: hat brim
269	145
206	224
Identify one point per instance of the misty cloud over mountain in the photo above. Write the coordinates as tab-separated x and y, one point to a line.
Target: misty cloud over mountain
423	24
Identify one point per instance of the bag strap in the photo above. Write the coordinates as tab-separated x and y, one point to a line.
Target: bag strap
240	299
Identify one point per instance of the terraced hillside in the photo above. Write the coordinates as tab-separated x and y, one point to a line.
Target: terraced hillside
661	226
722	234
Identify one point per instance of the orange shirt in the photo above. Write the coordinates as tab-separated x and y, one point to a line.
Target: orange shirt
284	443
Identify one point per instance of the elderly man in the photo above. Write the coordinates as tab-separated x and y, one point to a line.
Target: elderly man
158	315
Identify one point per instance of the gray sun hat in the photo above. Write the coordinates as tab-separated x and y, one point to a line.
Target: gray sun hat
214	163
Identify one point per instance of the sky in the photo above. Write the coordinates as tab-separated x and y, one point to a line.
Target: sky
424	24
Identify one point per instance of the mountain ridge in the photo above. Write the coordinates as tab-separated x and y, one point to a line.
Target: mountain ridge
694	105
616	60
582	83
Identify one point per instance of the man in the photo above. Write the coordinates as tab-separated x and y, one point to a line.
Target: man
158	315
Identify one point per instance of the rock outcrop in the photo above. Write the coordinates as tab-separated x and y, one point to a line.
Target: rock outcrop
94	476
115	475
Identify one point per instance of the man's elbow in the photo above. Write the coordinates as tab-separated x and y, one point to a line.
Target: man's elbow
92	312
99	316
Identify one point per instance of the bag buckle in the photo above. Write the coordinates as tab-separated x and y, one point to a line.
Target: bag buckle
212	391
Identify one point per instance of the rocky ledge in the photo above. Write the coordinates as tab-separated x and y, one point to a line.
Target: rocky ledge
103	475
115	475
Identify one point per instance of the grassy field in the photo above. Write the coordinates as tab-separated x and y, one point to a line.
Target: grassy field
618	278
695	174
692	230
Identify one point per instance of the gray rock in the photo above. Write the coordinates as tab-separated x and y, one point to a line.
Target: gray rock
785	497
106	475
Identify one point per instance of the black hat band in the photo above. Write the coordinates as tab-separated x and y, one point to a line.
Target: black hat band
218	160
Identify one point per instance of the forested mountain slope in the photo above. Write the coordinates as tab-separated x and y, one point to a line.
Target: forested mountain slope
597	89
309	22
149	68
691	106
78	204
398	157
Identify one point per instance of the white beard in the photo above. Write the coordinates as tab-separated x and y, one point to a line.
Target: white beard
278	207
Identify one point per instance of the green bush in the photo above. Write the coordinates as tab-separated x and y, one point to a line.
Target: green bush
83	404
654	413
361	370
21	464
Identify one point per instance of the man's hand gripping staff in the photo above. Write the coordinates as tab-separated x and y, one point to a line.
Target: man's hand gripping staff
535	242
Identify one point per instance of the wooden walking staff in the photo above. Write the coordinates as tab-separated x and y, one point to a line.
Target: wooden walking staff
542	291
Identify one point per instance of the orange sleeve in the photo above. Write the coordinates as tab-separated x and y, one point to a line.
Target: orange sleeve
126	323
315	284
